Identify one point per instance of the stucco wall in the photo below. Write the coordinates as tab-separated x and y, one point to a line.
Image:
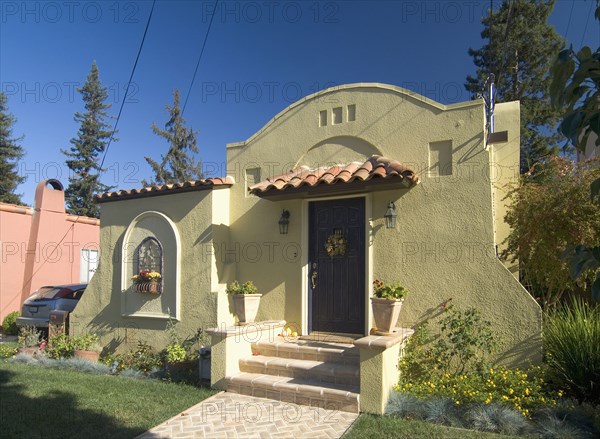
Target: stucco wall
505	170
444	244
101	309
442	248
15	224
41	246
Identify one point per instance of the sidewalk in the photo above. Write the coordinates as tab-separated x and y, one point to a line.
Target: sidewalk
230	415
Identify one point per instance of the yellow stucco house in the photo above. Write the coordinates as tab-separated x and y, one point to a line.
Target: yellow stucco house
334	161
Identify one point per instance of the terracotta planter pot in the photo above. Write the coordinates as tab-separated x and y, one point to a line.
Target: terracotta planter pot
386	313
246	307
91	356
148	287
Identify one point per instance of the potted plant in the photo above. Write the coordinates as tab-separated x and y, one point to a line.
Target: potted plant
148	282
245	300
86	347
386	303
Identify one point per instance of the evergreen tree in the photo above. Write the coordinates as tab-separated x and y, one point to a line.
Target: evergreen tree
10	153
83	157
177	165
520	50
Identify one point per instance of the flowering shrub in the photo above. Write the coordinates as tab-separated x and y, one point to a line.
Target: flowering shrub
7	351
455	364
146	276
522	389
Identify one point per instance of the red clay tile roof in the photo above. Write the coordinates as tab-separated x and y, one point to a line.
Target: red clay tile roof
376	167
164	189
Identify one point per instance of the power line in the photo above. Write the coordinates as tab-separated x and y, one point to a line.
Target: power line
128	84
569	22
586	23
199	58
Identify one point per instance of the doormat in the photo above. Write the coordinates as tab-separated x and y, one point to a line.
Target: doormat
326	337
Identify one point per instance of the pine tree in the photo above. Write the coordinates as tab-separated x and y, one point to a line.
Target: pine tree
10	153
520	50
177	165
83	157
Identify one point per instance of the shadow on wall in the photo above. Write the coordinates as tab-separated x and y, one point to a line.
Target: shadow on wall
55	415
521	353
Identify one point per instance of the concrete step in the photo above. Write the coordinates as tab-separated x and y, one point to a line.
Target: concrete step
319	371
308	350
295	390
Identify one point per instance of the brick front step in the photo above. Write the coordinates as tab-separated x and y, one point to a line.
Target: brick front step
295	390
319	371
308	350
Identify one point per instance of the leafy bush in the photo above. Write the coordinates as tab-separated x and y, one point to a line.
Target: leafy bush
29	337
144	359
464	342
7	351
181	350
86	342
557	196
572	344
9	324
175	353
60	346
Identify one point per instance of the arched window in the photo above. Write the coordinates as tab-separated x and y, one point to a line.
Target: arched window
148	255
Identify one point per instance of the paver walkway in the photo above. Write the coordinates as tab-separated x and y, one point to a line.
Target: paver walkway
230	415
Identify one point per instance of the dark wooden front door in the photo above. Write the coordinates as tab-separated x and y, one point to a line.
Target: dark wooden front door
337	278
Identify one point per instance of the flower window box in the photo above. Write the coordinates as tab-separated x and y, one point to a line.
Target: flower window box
148	282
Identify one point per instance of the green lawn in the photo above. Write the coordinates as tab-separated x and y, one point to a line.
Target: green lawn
38	402
378	427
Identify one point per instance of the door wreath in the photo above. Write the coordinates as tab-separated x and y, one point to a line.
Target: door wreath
336	244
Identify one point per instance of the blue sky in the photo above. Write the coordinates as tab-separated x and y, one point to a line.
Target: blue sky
260	57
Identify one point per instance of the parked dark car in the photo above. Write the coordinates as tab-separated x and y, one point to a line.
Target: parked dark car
36	309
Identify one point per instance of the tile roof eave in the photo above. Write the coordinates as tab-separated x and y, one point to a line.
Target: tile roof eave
167	189
355	173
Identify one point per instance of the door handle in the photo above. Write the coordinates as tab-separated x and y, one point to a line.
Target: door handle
313	276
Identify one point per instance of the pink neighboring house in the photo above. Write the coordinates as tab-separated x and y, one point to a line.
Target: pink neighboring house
44	245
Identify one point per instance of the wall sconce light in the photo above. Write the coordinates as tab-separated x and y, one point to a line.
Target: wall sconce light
284	222
390	216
